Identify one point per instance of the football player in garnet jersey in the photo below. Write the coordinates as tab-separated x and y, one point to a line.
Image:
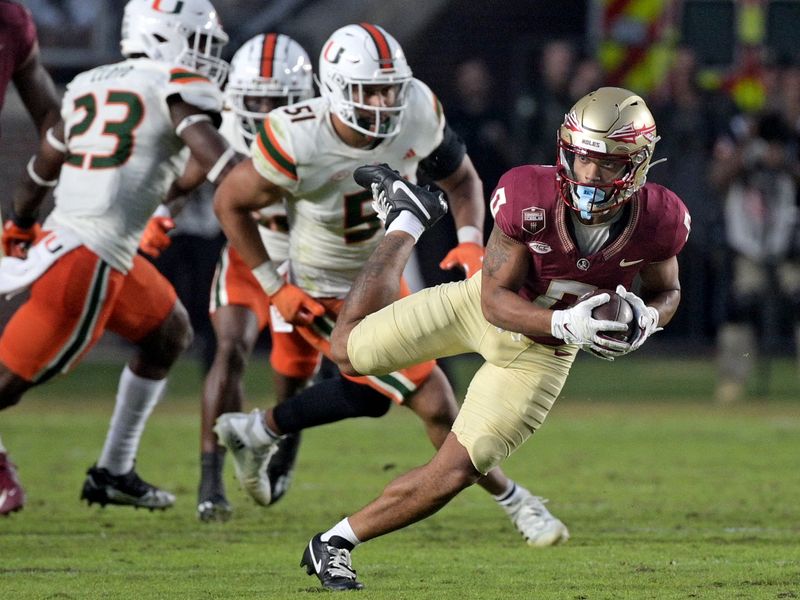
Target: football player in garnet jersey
589	222
111	158
371	110
20	63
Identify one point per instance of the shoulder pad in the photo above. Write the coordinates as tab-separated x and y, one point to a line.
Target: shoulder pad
273	153
194	89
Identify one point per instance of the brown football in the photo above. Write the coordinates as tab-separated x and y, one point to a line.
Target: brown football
616	309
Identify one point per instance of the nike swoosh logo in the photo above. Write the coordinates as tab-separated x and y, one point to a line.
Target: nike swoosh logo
317	563
629	263
400	185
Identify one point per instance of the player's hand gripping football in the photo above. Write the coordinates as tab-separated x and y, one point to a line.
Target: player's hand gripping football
576	325
467	255
295	306
155	238
16	240
646	317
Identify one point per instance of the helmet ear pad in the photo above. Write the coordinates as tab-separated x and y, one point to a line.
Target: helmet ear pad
357	56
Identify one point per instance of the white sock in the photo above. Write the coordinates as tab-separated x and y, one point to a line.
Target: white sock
136	398
343	530
2	448
409	223
511	495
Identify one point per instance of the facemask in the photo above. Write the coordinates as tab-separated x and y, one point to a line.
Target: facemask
587	197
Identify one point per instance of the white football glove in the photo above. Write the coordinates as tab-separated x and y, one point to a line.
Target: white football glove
576	326
646	317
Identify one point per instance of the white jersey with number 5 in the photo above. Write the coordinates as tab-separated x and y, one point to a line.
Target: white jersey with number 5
333	228
122	151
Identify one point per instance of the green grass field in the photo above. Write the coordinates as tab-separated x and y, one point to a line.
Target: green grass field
665	494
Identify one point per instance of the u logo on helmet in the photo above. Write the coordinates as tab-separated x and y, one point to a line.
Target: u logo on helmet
175	10
336	57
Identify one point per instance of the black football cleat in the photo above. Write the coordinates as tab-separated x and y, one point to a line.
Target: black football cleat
330	562
129	489
214	508
393	194
280	467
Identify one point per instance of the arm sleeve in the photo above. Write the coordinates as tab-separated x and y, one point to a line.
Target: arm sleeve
446	158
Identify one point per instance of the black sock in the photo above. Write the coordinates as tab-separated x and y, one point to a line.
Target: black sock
329	401
211	464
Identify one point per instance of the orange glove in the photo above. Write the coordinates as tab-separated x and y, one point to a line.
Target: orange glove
295	306
155	238
16	240
467	255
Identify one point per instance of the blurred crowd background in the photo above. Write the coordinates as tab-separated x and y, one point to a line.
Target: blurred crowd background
722	78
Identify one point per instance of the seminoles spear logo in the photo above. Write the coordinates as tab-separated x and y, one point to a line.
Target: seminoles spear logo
627	134
571	122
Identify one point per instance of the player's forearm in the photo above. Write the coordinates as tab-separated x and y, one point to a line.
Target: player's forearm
464	191
41	175
242	232
508	310
28	198
666	303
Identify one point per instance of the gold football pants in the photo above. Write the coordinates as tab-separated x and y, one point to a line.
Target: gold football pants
510	395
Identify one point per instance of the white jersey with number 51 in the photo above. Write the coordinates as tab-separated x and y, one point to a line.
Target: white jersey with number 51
122	151
333	228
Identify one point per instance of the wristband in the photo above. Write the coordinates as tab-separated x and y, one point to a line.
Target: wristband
36	178
268	277
162	211
56	143
191	120
219	166
469	235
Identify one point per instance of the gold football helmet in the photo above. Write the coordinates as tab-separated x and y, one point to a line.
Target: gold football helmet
613	128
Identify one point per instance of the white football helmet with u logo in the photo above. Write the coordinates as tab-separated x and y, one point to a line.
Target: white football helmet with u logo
614	128
272	67
183	32
361	55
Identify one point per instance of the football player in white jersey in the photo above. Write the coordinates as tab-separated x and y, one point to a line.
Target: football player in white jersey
371	110
111	159
269	70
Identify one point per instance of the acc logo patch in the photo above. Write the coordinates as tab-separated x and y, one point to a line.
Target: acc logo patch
540	247
533	220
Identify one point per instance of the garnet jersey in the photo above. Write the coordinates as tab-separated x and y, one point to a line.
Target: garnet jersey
122	151
528	208
17	40
333	226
